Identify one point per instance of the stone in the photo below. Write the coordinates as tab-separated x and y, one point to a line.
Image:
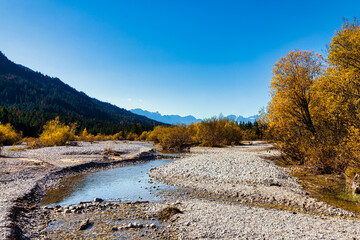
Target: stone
99	200
84	224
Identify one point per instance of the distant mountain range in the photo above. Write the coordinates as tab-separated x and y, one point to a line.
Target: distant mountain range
176	119
28	99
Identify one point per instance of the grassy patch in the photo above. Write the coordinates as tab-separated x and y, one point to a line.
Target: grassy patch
14	148
328	188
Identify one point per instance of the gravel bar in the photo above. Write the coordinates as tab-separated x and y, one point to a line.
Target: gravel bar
242	182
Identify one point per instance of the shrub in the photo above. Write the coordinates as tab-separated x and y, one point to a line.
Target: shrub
143	136
153	136
8	135
214	132
32	143
175	138
110	152
249	134
218	132
167	213
131	136
56	133
119	136
85	136
100	137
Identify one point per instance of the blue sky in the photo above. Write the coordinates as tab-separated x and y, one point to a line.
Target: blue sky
177	57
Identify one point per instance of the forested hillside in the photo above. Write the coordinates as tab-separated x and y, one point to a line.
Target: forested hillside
28	99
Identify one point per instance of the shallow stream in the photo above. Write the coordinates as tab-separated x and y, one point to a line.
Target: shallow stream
128	184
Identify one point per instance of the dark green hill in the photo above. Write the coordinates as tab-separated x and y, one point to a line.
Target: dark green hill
28	99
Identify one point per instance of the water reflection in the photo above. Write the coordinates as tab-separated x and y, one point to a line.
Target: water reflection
129	183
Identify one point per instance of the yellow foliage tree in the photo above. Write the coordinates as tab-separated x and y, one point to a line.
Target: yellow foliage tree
338	97
290	115
56	133
315	115
8	135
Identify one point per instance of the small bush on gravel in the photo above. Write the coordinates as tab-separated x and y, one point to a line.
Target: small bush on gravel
56	133
167	213
32	143
110	152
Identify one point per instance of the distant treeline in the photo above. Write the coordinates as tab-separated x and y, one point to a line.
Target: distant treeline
31	123
213	132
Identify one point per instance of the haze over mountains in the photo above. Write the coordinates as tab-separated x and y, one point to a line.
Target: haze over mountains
28	99
176	119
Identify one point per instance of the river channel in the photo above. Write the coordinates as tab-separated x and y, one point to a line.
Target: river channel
127	184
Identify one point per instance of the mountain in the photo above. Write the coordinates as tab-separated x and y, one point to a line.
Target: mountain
169	119
176	119
28	99
251	119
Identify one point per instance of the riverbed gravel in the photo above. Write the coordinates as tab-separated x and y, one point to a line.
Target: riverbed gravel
210	219
243	196
227	193
26	174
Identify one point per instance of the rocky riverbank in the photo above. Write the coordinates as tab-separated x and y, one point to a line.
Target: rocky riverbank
227	193
26	174
103	220
237	194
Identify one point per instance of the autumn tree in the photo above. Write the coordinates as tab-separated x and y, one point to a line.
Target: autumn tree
290	113
338	96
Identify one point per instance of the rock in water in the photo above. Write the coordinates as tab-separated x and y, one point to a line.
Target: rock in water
84	224
98	200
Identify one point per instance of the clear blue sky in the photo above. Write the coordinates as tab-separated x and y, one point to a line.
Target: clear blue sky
176	57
